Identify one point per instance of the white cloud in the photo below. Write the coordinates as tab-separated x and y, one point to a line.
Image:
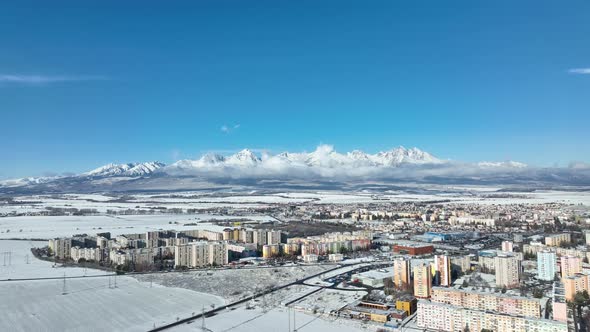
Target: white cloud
325	163
44	79
228	129
581	71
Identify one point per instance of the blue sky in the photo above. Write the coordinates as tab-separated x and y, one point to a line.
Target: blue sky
87	83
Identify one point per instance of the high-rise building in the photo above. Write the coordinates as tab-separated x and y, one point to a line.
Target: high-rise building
507	246
436	316
486	301
556	240
442	266
201	253
546	265
574	284
259	237
559	302
507	271
401	273
461	264
422	281
273	237
60	247
570	265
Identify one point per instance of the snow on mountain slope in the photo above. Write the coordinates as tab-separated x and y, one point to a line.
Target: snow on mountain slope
130	169
243	158
27	181
323	162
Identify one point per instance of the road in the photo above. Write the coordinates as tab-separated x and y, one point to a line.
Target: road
250	298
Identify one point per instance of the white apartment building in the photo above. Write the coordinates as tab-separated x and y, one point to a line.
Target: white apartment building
61	247
201	253
507	271
546	265
88	254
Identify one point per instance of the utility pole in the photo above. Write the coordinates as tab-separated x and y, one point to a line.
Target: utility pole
294	322
7	257
64	289
289	317
203	319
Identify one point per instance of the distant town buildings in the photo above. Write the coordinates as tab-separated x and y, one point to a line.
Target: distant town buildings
557	239
414	249
507	246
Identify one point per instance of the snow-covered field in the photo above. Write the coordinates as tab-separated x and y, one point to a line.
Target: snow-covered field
43	227
90	305
234	284
328	300
22	264
204	200
276	319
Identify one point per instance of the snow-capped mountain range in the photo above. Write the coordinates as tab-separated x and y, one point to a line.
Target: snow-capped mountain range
131	169
322	164
323	156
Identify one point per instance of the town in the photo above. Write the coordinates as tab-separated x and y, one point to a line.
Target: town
442	266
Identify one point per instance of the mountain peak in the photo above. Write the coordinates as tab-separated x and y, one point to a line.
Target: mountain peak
243	158
129	169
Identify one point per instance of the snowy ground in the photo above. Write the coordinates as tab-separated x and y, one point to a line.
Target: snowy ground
205	200
42	227
320	280
235	284
90	305
328	300
277	319
22	264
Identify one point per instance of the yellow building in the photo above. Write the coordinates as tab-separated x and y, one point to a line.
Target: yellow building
575	283
557	239
570	265
376	312
270	250
407	304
